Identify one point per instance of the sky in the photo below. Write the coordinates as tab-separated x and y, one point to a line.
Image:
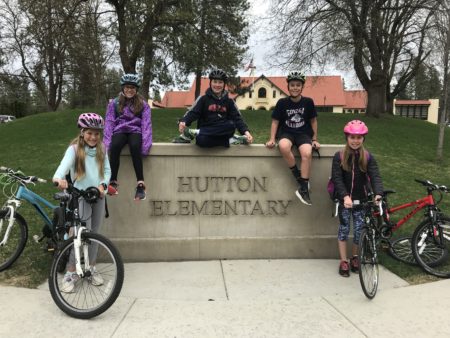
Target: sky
260	46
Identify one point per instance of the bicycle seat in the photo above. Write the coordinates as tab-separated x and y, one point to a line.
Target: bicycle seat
387	192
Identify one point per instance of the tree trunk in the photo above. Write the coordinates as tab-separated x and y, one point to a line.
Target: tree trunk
148	65
376	99
198	82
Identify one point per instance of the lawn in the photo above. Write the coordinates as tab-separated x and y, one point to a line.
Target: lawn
404	148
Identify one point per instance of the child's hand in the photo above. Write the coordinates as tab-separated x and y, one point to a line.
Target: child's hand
249	137
315	144
181	126
348	203
270	144
62	184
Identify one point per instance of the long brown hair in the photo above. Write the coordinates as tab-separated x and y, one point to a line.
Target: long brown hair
136	102
349	152
80	156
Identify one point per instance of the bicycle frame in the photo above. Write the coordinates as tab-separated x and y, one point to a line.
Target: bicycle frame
420	204
34	199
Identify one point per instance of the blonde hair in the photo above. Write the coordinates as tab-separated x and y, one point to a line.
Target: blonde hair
137	103
349	152
80	156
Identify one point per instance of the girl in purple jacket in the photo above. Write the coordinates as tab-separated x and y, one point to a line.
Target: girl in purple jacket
128	120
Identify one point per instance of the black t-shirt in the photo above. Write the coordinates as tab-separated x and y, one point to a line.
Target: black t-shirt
295	117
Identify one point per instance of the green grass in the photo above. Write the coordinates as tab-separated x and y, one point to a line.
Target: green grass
404	148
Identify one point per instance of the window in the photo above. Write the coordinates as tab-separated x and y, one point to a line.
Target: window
262	93
250	94
274	94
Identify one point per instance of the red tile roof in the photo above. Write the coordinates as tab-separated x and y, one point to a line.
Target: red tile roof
324	90
355	99
412	102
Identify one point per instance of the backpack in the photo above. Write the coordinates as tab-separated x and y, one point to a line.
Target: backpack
330	185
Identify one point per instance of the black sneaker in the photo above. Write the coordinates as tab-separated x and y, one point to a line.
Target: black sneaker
303	195
140	192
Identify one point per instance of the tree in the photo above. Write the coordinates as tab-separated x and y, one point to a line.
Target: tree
37	32
216	36
88	55
137	25
442	43
385	39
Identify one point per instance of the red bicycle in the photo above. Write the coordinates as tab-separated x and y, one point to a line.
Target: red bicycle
401	248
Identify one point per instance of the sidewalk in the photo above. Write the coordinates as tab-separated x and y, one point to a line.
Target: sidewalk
240	298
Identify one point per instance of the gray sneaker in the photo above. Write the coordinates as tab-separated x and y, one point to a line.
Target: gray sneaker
239	139
303	195
181	139
188	134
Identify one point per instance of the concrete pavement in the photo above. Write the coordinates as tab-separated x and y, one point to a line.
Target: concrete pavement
240	298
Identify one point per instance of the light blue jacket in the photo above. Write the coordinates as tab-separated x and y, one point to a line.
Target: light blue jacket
92	177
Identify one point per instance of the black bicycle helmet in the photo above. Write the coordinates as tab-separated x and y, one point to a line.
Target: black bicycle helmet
130	79
299	76
218	74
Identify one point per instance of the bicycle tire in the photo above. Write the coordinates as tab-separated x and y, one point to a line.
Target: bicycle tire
433	238
82	303
368	264
17	239
400	249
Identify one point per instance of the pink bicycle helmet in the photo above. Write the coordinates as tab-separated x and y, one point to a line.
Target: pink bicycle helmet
356	127
90	121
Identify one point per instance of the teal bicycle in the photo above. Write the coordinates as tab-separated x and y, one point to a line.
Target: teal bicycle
71	241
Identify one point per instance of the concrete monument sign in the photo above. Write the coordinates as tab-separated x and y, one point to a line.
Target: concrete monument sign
221	203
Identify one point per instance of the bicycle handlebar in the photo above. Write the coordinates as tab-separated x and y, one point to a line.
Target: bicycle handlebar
20	176
433	186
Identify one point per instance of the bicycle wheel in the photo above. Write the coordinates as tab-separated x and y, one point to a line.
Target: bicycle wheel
430	246
87	300
17	239
368	264
400	249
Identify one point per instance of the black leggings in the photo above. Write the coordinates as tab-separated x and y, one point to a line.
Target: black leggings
134	143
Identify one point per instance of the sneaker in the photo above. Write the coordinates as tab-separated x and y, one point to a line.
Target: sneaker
303	194
354	264
239	139
181	139
188	133
113	188
96	278
140	192
344	269
69	281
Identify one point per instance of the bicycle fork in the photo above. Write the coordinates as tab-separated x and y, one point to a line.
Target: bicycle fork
77	244
10	215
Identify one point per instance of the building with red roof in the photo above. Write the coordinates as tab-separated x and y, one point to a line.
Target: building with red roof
328	93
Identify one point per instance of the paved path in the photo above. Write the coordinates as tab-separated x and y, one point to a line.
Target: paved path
240	298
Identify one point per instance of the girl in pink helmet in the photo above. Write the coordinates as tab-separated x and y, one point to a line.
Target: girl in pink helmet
87	163
354	173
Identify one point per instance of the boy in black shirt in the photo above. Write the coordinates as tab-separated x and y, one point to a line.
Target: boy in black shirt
294	122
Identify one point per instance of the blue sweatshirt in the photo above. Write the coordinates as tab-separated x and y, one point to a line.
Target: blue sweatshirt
91	177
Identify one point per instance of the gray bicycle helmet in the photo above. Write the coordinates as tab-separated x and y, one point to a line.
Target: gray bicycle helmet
130	79
218	74
299	76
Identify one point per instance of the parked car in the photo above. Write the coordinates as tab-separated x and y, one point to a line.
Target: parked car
6	118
